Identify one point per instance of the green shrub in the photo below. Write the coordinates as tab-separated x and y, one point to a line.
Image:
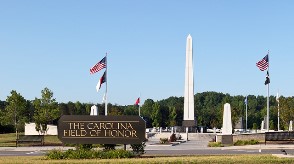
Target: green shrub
120	153
89	154
254	126
138	148
68	154
215	144
55	154
245	142
109	146
253	142
163	140
84	146
239	143
80	154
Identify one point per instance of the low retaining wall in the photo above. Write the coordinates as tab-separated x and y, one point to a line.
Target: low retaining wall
200	136
191	136
248	136
213	136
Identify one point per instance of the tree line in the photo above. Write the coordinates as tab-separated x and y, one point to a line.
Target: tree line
15	111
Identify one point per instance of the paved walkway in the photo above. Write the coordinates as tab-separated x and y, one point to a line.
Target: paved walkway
153	145
34	148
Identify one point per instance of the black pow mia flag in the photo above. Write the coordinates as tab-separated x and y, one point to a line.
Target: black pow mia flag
267	78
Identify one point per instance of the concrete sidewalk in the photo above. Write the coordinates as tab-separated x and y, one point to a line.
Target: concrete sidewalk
189	145
262	146
35	148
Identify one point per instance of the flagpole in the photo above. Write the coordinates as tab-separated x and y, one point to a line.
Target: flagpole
267	112
278	110
246	114
139	105
106	87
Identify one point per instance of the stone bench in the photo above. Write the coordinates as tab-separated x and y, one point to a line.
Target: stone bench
279	136
30	138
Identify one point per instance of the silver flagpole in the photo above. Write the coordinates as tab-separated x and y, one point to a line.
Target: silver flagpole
246	114
139	105
267	112
106	86
278	111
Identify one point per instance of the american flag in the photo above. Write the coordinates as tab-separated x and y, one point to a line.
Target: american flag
99	66
263	63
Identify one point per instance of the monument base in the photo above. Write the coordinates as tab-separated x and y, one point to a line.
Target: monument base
225	139
188	123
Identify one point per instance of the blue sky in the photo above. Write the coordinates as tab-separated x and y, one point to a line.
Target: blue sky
54	44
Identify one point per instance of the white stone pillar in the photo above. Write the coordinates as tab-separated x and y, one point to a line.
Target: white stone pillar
227	120
189	82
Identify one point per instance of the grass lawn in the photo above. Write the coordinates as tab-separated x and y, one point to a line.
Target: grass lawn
52	140
8	140
256	159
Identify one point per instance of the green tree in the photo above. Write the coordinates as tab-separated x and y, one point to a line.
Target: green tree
30	110
253	114
80	108
71	108
46	110
156	115
286	111
63	109
271	125
15	112
146	111
172	102
237	106
101	108
115	111
88	108
172	116
2	105
131	110
212	108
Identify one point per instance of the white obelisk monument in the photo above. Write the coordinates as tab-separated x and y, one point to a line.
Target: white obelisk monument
227	120
189	86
